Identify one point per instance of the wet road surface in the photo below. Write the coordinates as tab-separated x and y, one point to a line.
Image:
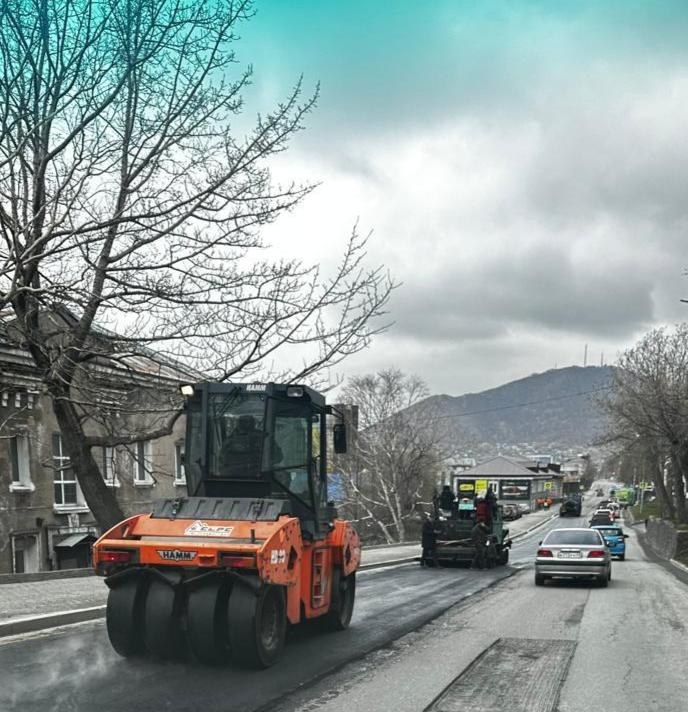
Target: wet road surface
565	647
75	669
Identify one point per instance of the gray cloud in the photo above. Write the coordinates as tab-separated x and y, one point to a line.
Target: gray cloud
539	287
530	198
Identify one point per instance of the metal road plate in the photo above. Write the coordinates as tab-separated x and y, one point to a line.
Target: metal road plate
514	674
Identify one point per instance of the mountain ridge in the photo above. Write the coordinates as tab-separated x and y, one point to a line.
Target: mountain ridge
554	409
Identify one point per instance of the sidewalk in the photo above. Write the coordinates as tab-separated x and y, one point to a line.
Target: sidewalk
38	598
21	600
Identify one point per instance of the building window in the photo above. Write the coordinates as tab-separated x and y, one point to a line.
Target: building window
108	466
64	480
30	400
17	400
142	463
179	472
5	399
20	464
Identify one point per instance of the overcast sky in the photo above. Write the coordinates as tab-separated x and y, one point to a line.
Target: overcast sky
522	165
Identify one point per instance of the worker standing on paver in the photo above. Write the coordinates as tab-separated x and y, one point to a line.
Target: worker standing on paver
482	510
491	500
479	540
447	498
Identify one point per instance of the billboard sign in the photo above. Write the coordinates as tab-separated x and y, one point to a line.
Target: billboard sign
514	489
465	488
480	488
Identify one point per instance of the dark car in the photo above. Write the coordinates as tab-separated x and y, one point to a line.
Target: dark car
602	519
570	507
510	512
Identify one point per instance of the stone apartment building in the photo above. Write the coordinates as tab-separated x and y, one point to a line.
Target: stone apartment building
45	523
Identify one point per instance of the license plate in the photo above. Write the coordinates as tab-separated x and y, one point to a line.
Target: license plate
569	554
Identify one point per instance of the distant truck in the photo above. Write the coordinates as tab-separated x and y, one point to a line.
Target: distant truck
571	485
571	506
626	496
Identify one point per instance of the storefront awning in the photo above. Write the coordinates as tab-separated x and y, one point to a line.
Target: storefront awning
74	540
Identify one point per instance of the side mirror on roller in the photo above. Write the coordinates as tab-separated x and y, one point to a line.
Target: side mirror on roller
339	438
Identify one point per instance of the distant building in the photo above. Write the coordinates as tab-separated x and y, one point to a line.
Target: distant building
513	480
45	523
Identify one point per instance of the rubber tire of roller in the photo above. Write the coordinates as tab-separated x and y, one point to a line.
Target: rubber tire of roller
206	617
162	629
338	617
252	645
124	616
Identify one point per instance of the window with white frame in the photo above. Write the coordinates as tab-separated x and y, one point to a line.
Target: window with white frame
142	463
64	479
20	463
108	466
179	471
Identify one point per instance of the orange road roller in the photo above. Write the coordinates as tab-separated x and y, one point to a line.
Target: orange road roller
254	547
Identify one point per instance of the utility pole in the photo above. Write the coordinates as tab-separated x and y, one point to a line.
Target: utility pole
585	356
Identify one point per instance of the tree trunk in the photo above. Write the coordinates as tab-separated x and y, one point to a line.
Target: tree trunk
399	518
385	531
99	497
665	502
679	489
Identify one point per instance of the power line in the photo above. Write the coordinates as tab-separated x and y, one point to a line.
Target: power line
522	405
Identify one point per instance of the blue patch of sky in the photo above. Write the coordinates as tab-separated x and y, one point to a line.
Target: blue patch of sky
401	62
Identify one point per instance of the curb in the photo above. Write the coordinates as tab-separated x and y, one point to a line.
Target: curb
533	528
386	564
679	565
50	620
79	615
47	575
373	547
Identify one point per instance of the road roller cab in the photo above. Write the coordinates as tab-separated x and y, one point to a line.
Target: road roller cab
254	547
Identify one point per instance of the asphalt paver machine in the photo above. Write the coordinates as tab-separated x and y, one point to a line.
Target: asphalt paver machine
453	529
255	546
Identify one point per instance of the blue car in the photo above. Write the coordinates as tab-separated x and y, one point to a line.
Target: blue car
615	538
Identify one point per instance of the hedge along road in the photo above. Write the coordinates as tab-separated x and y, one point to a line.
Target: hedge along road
74	668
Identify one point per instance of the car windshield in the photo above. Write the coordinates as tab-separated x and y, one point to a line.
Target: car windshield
582	537
610	532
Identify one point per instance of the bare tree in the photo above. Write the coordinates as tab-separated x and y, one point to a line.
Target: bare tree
395	463
128	203
648	405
